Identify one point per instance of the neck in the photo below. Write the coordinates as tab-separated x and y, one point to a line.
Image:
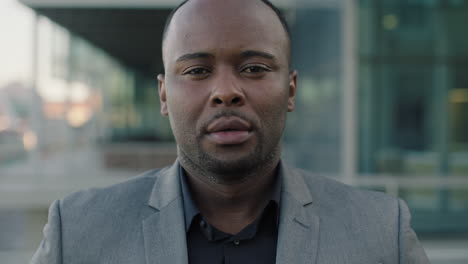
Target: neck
231	207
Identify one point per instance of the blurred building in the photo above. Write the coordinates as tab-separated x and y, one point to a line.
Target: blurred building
382	104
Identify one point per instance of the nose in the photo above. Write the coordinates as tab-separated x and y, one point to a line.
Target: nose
228	93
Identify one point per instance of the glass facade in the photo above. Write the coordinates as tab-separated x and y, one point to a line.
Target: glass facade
413	64
71	94
312	138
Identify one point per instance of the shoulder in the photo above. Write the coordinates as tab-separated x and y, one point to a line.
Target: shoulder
348	213
122	197
337	197
110	216
104	215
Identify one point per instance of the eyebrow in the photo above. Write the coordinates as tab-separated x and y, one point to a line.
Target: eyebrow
196	55
255	53
244	54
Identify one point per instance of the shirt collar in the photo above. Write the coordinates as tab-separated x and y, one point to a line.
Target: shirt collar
191	210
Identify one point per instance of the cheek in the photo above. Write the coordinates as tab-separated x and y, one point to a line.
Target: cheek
184	97
269	100
185	103
271	105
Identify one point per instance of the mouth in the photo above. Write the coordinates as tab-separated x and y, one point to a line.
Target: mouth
229	131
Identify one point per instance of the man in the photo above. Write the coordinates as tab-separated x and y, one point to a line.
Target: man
228	198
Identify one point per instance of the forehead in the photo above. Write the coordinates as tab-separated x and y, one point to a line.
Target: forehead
228	25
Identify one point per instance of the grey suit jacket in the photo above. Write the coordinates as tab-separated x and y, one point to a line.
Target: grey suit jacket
142	221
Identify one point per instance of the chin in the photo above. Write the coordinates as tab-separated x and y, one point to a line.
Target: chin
229	163
235	165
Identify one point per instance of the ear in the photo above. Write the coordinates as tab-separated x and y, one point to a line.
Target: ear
292	90
162	94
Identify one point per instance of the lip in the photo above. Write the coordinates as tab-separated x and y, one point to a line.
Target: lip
229	123
229	131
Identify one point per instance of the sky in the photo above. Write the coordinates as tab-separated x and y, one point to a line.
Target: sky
16	27
16	54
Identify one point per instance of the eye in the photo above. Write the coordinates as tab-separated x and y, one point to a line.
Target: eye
196	71
255	69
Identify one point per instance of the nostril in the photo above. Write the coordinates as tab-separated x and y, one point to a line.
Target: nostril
235	100
218	101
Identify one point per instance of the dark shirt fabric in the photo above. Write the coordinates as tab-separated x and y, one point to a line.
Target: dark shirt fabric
256	243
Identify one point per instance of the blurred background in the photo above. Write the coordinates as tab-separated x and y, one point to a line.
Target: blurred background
382	104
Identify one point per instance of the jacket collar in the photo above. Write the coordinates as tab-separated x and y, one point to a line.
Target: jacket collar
293	184
298	234
164	231
166	187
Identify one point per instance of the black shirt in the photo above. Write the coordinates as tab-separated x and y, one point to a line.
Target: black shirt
256	243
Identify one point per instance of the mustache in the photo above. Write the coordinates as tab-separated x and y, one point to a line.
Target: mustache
227	113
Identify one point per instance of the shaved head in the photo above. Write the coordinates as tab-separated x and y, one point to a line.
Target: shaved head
276	11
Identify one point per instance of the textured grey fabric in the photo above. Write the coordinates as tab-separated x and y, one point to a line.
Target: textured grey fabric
142	221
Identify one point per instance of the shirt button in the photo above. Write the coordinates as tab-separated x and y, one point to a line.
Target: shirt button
236	242
202	224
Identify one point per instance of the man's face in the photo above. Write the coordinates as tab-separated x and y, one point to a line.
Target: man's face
227	86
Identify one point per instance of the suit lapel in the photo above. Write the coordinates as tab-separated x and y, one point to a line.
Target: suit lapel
298	233
164	231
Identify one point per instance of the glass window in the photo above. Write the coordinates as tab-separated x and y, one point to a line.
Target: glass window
413	105
312	138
